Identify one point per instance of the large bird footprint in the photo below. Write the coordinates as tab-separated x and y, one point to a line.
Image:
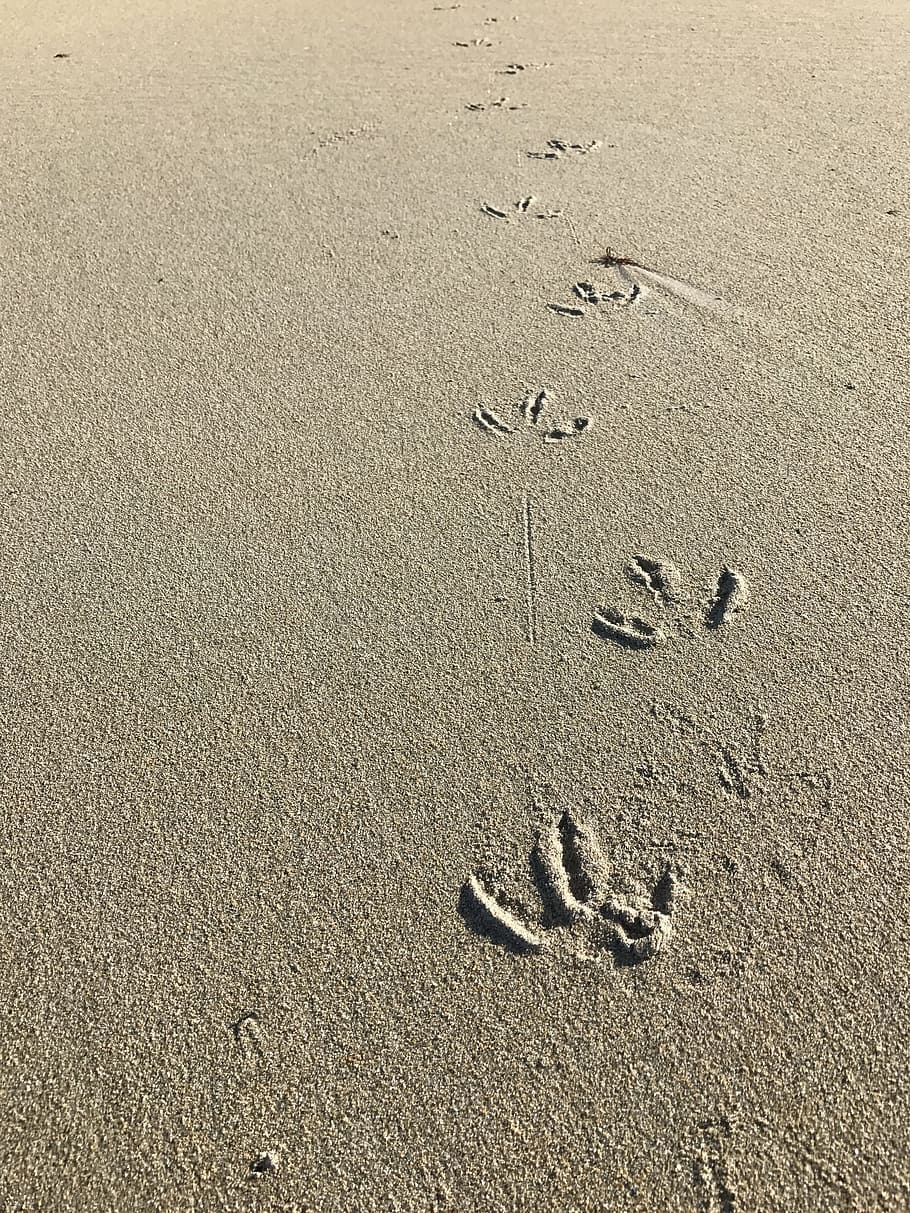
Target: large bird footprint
663	582
580	892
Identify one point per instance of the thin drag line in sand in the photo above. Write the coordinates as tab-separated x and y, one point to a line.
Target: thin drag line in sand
573	231
530	570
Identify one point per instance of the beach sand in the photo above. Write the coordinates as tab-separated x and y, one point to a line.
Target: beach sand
294	645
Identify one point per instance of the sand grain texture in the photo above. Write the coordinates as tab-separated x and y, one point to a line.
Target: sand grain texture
287	657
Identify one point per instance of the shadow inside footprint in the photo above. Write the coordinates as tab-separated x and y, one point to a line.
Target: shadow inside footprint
623	945
730	599
663	898
554	909
485	916
628	631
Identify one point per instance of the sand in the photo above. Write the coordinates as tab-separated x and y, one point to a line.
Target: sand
294	649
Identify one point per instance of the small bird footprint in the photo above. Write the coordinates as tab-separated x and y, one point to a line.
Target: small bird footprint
530	411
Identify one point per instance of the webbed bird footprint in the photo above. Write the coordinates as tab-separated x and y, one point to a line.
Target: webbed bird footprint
580	891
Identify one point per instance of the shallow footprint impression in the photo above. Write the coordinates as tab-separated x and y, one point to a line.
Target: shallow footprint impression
531	410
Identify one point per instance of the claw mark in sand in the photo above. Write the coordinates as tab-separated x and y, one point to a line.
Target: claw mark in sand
589	293
488	421
512	69
660	578
741	767
556	148
580	426
663	581
627	630
731	599
521	206
499	104
532	406
248	1035
496	920
579	889
531	409
530	570
574	872
336	137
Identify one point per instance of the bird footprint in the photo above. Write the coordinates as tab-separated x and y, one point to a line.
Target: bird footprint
579	891
531	410
663	582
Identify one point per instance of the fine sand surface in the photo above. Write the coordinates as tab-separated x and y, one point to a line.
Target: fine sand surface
310	626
